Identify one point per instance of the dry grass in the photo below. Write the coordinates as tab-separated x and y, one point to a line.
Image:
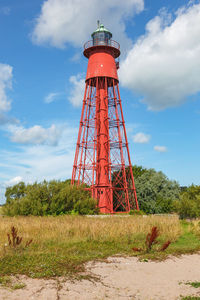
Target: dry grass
195	227
62	244
1	208
77	228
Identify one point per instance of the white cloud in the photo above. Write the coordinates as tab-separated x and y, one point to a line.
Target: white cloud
51	97
38	162
77	90
5	83
160	148
35	135
164	64
141	138
72	21
14	180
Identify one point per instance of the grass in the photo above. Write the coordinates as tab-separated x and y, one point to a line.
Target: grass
8	282
195	225
195	284
190	298
61	245
188	242
1	210
5	281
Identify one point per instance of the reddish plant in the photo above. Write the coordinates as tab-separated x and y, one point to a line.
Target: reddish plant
14	240
28	243
165	246
137	249
151	238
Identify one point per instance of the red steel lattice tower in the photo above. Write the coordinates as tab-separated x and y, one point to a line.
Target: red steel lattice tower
102	159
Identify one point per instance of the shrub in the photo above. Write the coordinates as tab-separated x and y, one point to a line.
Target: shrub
188	205
16	191
48	198
155	192
137	212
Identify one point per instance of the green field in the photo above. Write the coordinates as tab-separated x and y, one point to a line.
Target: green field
61	245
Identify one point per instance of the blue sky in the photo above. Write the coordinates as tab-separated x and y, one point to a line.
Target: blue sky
42	73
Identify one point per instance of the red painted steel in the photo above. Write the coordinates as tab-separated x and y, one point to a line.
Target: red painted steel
101	64
102	159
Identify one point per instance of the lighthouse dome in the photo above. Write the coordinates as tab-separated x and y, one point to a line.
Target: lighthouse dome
101	36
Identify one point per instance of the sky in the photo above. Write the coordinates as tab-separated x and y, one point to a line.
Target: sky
42	71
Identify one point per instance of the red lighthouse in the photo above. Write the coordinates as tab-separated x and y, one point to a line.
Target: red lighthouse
102	158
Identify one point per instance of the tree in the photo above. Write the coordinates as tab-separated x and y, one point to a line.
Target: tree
155	192
15	191
48	198
189	204
138	171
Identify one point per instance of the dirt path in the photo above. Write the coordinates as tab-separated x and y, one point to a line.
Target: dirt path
121	278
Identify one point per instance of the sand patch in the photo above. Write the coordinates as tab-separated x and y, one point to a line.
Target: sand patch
120	278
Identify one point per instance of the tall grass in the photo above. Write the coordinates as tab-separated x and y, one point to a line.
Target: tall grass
1	210
62	244
195	227
77	228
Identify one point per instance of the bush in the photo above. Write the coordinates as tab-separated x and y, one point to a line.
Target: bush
155	192
137	212
48	198
188	205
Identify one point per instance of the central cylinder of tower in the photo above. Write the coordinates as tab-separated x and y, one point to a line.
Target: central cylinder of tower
101	72
102	171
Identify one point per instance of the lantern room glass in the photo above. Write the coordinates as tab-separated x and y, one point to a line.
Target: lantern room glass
101	38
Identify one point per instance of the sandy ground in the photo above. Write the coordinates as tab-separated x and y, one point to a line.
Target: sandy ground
119	278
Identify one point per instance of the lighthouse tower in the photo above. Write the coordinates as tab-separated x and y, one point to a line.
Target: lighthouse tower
102	159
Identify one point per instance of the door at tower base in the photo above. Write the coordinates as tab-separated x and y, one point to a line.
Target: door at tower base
102	159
